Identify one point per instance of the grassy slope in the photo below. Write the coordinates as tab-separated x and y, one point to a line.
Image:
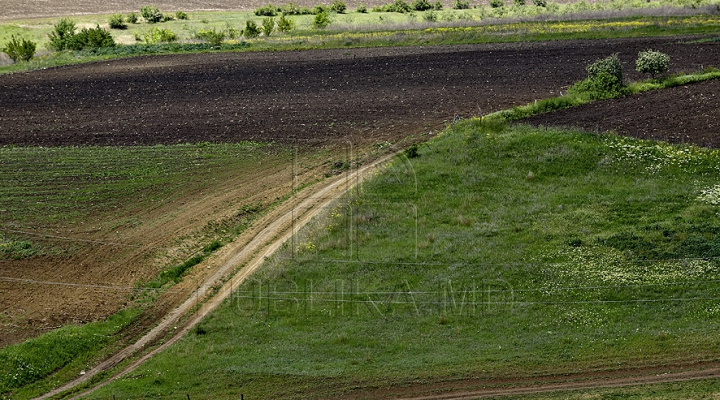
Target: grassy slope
509	252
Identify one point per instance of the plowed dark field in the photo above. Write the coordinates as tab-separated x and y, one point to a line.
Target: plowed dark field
362	95
684	114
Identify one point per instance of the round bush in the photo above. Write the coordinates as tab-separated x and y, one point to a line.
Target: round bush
652	62
117	22
151	14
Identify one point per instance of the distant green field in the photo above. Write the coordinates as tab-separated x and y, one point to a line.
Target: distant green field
499	251
480	24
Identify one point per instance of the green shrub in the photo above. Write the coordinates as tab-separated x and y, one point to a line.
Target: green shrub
399	6
320	8
285	24
461	4
117	22
540	3
519	2
497	3
157	35
294	9
61	34
338	6
251	29
151	14
92	38
132	18
362	8
268	25
167	36
652	62
181	15
605	80
421	5
232	33
266	11
412	151
167	17
438	6
430	16
609	65
322	20
20	49
214	37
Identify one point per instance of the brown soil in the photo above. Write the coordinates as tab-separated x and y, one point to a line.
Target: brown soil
684	114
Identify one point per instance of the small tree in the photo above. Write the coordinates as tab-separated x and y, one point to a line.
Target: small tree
19	49
61	34
285	24
132	18
117	22
338	6
151	14
322	20
540	3
362	8
181	15
438	6
652	62
251	29
497	3
268	25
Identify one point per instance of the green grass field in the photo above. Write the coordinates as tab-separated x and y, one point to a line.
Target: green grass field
497	252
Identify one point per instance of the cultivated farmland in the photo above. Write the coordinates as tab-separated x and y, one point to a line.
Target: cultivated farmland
316	98
237	125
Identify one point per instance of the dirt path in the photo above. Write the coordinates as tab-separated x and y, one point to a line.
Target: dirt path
578	383
286	221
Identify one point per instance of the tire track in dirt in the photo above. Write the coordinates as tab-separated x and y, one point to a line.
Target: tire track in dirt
574	385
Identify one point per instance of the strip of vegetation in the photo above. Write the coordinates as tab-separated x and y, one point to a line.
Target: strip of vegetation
294	37
62	352
495	252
